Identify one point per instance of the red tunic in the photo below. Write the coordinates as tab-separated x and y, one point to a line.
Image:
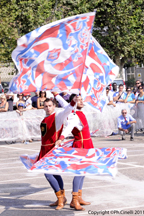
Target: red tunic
49	134
82	138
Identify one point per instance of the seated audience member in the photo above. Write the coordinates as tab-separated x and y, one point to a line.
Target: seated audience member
65	96
109	98
20	109
129	96
114	89
3	104
34	100
140	98
119	95
10	99
41	99
28	102
21	100
126	123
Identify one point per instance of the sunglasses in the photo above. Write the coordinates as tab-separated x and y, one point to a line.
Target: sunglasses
140	88
137	83
124	113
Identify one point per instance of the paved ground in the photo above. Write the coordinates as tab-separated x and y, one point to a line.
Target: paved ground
26	194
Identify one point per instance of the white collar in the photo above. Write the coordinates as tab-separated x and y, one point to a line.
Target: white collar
51	114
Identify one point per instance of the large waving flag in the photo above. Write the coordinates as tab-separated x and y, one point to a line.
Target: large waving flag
75	161
99	72
53	56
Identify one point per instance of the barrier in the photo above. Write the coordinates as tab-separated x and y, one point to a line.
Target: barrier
14	127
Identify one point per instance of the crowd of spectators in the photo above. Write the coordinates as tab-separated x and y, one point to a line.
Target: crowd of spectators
133	95
22	102
10	102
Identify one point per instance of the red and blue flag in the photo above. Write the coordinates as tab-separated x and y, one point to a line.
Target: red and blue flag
63	56
99	72
76	161
53	56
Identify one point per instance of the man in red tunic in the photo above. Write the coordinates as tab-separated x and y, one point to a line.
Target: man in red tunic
77	124
51	128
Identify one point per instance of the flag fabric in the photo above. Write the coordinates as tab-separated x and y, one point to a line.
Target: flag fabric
76	161
52	57
99	72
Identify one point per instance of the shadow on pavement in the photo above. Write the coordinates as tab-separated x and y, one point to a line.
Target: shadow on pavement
12	202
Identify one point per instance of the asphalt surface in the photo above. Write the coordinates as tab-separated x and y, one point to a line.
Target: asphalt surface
27	194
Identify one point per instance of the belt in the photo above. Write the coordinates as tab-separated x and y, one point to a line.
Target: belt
82	139
48	144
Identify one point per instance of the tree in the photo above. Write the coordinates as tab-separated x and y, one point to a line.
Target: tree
118	26
18	17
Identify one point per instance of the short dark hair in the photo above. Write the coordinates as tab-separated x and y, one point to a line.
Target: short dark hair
20	94
140	87
114	84
128	87
52	100
121	85
107	88
41	93
71	97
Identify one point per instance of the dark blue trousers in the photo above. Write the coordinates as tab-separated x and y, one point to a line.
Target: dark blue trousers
78	183
55	181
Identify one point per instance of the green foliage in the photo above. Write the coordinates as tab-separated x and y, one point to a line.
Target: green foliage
119	28
18	17
130	82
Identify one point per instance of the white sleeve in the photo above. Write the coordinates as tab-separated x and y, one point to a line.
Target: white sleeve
62	102
62	115
71	123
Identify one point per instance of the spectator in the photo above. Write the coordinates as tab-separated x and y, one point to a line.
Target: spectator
126	123
28	102
119	96
65	96
21	100
41	99
114	89
138	83
34	100
10	99
129	96
140	98
4	104
109	98
20	109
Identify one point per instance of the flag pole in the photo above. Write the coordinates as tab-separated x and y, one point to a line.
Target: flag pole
86	53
